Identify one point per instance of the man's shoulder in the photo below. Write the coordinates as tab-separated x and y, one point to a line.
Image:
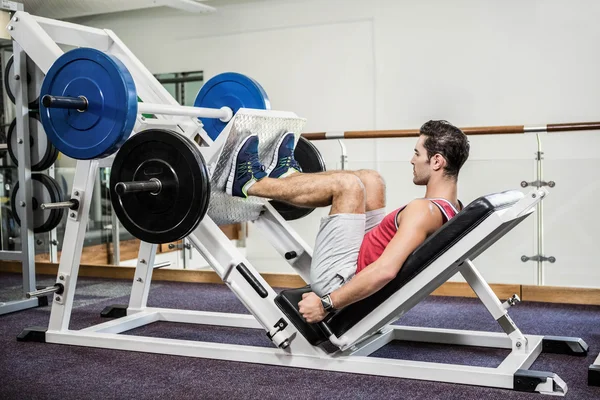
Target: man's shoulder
420	204
423	210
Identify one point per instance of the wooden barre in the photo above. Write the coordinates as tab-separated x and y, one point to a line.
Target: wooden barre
477	130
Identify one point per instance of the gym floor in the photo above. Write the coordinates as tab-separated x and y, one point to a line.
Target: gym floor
44	371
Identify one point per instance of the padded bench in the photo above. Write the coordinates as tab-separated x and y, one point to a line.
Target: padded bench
429	251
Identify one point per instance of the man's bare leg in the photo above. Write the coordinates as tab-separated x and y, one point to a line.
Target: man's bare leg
344	192
372	182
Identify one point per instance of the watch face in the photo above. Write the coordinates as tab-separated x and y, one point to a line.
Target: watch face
326	303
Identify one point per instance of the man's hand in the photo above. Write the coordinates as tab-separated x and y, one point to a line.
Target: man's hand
311	308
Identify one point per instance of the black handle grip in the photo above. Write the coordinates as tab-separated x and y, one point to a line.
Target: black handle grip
251	279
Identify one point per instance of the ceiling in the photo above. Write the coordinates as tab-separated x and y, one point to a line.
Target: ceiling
66	9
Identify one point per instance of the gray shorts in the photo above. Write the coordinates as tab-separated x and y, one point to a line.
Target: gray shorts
336	249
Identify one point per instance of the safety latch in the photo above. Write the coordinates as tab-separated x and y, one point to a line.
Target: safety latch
550	259
538	184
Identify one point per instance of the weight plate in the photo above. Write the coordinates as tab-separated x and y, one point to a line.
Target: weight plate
310	160
43	153
205	200
175	211
9	226
61	211
232	90
44	190
33	86
112	104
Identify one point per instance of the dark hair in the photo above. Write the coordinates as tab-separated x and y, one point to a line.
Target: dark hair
441	137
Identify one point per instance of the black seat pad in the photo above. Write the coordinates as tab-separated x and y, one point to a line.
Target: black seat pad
429	251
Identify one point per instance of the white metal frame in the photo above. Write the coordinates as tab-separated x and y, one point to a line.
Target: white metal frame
38	37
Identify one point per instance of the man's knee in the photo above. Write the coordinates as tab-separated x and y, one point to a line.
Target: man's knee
371	179
349	184
374	188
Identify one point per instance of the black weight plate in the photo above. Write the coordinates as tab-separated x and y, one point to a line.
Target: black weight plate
310	160
44	191
52	157
203	206
9	226
59	195
51	185
43	153
33	88
180	205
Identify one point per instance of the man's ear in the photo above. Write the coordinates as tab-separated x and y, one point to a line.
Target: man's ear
438	162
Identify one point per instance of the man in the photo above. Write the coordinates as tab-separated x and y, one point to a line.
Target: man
359	249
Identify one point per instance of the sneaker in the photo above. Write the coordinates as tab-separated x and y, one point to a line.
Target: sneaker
284	163
246	169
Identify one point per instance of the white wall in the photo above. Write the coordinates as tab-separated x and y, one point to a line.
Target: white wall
391	64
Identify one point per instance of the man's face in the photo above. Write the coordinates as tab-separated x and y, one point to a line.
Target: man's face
420	163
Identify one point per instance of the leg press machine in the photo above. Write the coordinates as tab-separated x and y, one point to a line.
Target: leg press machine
355	331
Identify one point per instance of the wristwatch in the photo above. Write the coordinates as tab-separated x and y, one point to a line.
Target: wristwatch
327	303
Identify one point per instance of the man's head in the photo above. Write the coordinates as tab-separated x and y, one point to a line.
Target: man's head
441	150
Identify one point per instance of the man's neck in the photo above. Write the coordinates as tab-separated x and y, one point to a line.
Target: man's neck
442	188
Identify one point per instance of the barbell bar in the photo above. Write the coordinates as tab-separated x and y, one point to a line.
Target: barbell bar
81	104
58	288
152	185
72	204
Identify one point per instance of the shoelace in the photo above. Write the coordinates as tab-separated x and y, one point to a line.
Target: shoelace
285	162
288	162
247	166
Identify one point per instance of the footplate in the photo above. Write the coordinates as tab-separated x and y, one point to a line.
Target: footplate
225	209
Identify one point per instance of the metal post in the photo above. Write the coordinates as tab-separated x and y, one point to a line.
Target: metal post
68	269
343	156
116	240
540	215
143	276
23	154
53	242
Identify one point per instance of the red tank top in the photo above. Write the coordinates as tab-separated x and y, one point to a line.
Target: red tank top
376	240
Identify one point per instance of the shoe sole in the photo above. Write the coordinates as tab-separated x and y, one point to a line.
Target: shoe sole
231	178
276	155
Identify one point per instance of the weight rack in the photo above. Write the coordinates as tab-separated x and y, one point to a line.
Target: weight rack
27	253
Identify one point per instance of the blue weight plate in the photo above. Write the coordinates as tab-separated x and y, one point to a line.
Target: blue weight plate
232	90
112	104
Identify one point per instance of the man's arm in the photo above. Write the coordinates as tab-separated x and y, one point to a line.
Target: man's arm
417	221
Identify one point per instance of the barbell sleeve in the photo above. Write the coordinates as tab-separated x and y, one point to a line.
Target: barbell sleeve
223	113
153	185
58	288
72	103
72	204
